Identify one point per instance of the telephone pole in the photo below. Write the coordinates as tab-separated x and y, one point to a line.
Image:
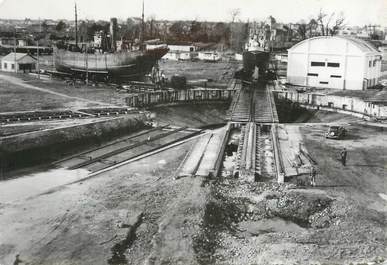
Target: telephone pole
76	26
14	50
87	66
142	25
37	49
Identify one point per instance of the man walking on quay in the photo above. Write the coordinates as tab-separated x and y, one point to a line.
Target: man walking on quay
343	156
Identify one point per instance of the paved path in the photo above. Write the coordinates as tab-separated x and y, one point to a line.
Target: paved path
19	82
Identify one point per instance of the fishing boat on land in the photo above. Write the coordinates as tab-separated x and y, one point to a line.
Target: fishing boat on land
127	61
128	65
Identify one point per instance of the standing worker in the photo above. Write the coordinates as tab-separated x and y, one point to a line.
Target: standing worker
17	260
343	156
313	174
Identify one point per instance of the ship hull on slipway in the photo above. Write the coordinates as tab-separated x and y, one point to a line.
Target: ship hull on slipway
125	65
252	59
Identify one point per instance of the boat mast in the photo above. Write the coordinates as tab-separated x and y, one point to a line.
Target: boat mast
76	26
142	26
37	49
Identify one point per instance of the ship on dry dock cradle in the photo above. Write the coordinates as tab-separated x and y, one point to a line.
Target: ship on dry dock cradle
130	61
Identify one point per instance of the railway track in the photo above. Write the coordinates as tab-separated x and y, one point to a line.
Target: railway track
253	104
255	112
256	153
12	117
119	151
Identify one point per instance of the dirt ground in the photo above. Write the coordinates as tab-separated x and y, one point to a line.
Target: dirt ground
126	216
342	220
195	116
109	219
220	71
140	214
25	93
27	127
17	95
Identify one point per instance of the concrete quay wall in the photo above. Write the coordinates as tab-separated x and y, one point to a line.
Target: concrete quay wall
38	147
342	104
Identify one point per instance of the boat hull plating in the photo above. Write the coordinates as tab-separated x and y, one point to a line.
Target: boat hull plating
130	65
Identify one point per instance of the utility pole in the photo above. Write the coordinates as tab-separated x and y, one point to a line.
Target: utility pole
37	49
87	66
76	26
142	25
14	50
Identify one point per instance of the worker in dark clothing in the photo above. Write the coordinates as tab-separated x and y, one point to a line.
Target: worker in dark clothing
17	260
313	174
343	157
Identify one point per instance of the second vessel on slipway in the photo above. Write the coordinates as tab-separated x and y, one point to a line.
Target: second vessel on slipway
129	61
256	54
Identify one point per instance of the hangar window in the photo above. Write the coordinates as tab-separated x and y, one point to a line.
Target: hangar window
333	65
317	64
323	82
336	76
312	74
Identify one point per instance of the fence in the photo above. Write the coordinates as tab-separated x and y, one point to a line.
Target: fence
152	98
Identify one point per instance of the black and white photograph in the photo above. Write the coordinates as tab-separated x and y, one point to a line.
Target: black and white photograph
193	132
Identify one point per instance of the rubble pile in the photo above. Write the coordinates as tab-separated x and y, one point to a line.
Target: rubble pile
306	210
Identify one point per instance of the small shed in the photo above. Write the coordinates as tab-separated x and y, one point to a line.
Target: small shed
15	62
209	56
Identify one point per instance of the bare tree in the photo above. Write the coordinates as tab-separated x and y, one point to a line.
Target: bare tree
312	26
234	13
320	20
302	29
324	21
339	23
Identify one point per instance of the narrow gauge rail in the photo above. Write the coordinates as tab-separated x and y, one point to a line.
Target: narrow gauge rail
128	148
256	155
253	104
264	107
254	110
113	143
265	163
10	117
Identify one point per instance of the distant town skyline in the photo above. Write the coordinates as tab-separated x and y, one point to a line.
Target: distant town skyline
356	12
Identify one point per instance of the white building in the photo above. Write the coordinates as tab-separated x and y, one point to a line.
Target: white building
209	56
383	50
334	62
239	57
180	52
18	62
182	48
178	56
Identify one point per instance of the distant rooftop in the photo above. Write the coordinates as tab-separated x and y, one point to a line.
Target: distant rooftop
11	56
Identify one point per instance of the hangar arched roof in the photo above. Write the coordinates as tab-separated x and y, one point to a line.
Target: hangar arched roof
362	45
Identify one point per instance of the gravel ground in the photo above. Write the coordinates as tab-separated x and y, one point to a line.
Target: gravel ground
341	220
89	222
221	71
140	214
195	116
17	97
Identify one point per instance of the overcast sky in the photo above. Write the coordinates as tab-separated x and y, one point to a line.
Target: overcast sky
357	12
